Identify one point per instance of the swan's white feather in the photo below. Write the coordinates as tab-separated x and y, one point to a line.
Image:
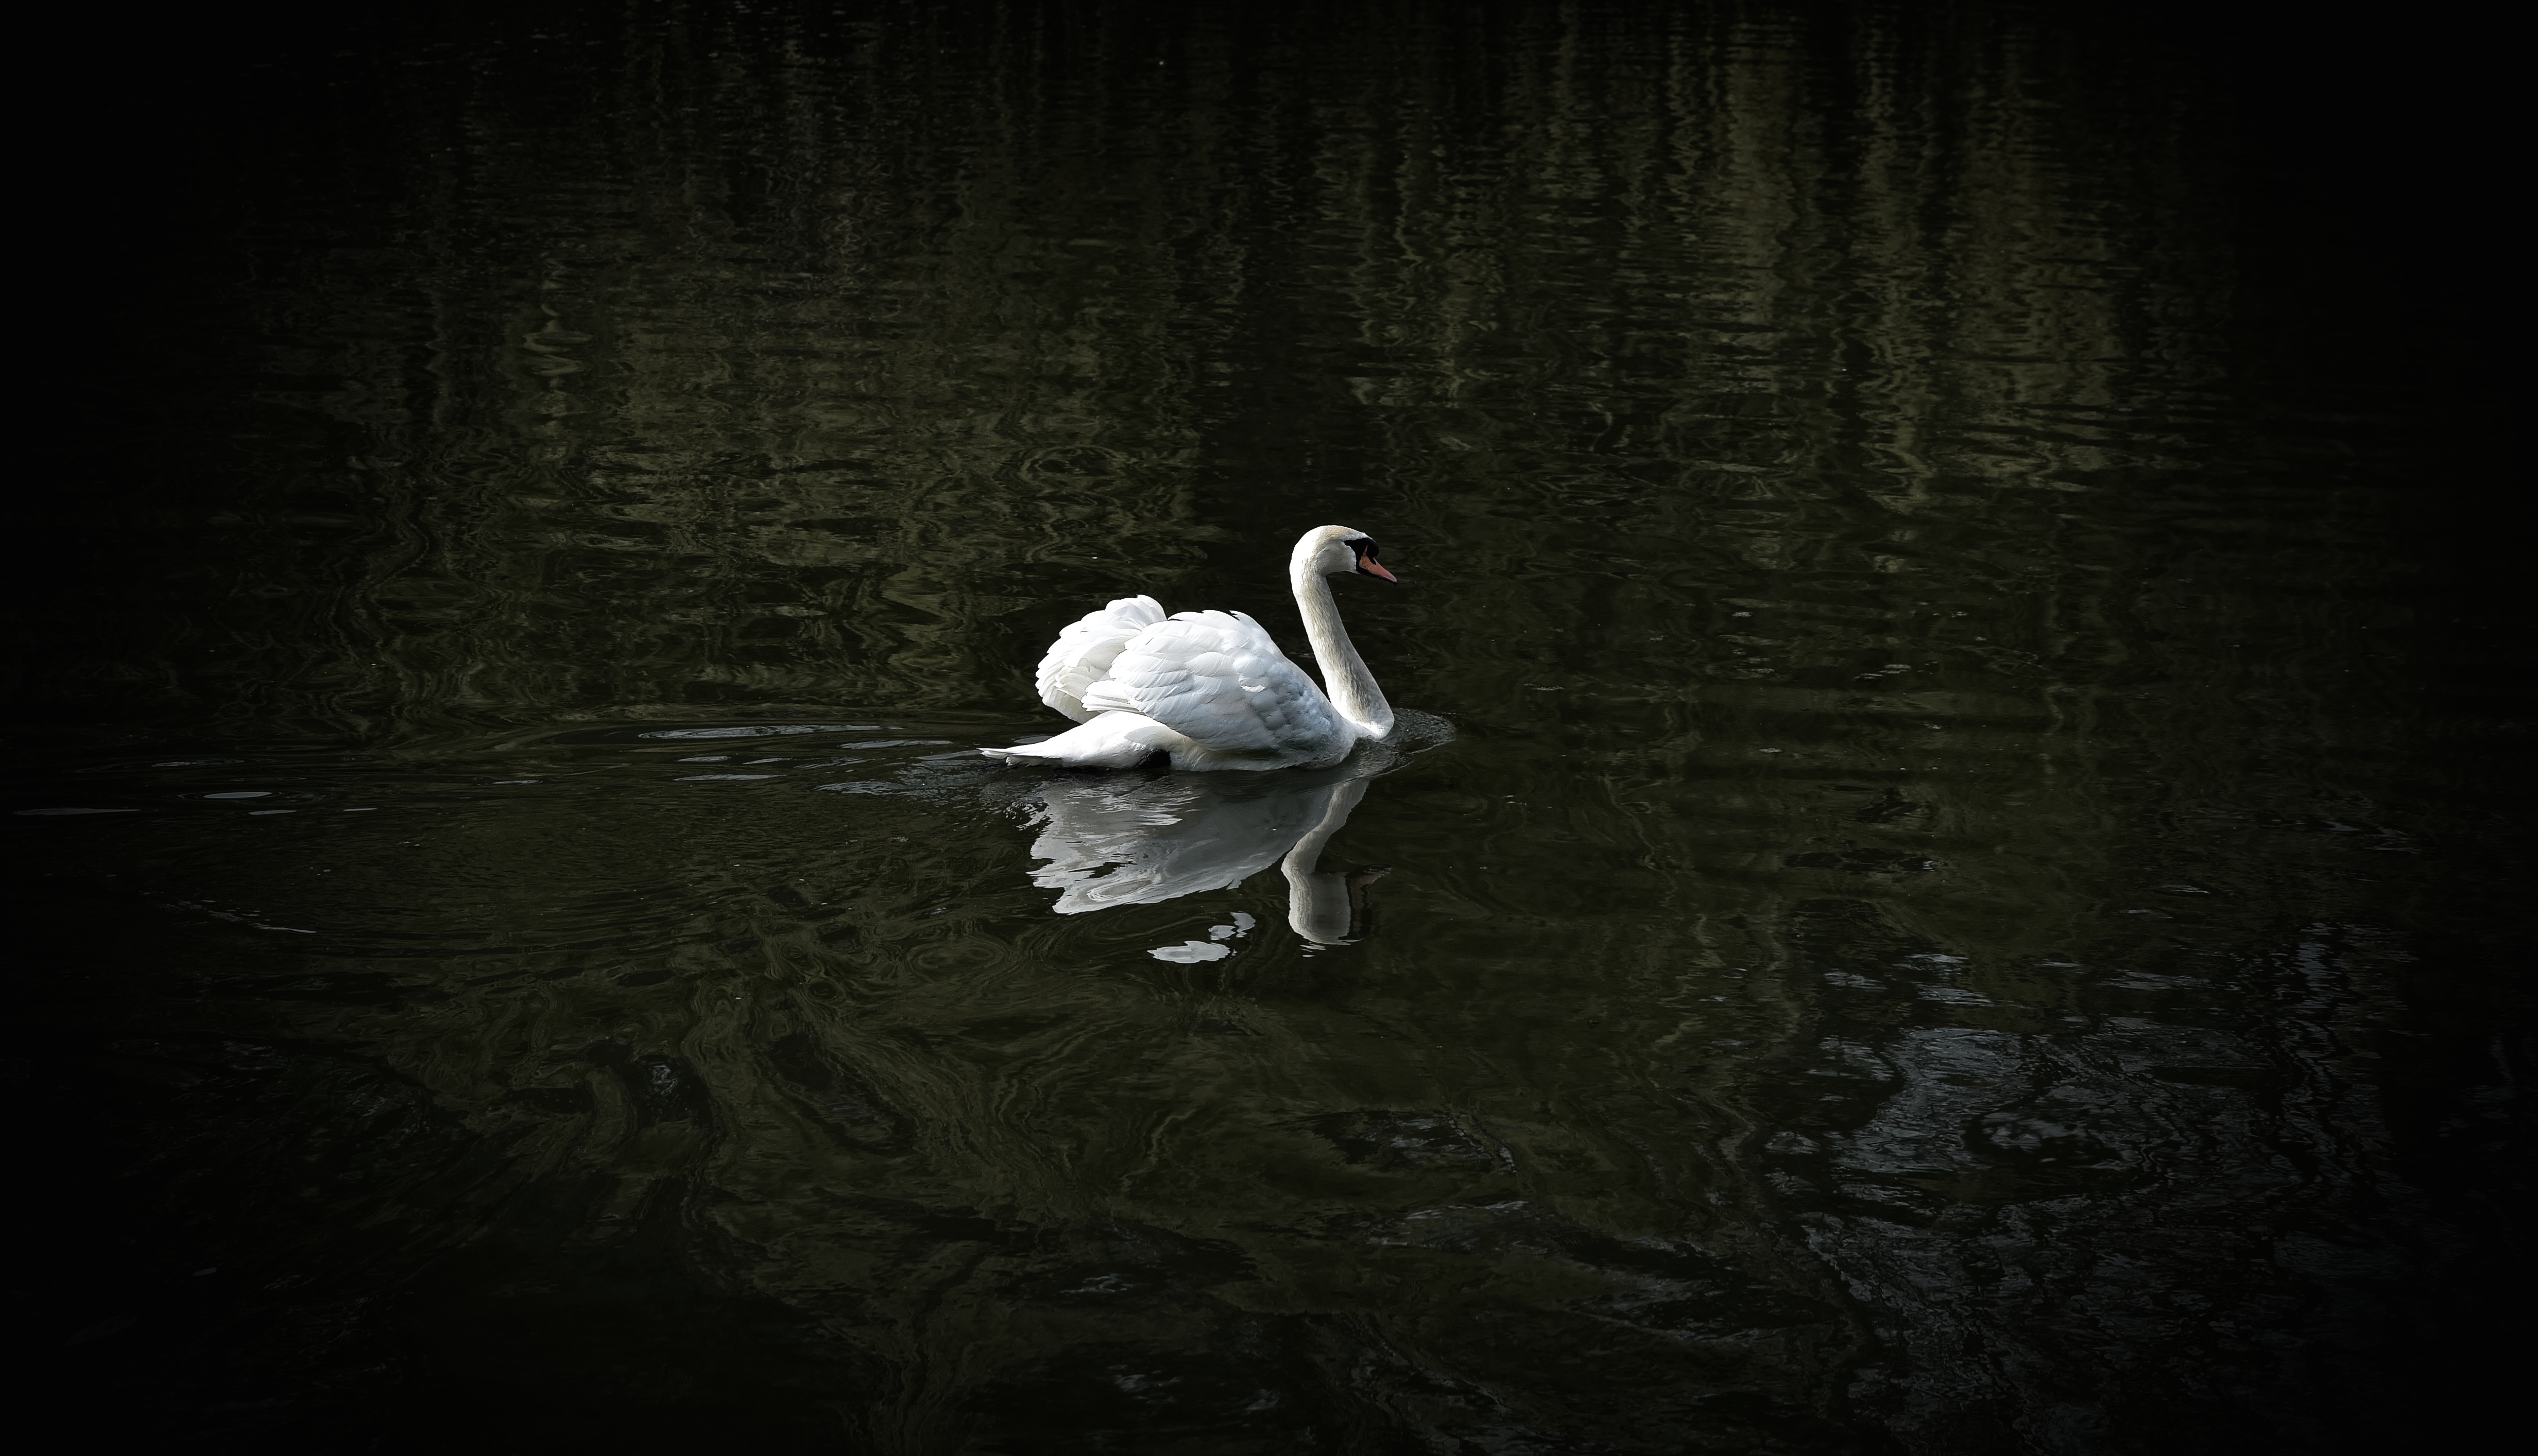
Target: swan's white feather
1083	653
1216	679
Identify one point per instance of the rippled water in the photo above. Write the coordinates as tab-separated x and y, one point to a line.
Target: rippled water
1930	898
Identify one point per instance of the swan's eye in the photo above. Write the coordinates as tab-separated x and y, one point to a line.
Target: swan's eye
1367	565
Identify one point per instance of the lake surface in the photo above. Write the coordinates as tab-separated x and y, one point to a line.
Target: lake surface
1945	887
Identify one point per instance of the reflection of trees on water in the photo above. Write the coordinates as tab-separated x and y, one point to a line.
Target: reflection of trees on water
825	418
1719	359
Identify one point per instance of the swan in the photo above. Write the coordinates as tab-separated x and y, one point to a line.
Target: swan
1210	689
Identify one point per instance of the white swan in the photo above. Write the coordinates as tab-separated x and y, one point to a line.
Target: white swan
1210	689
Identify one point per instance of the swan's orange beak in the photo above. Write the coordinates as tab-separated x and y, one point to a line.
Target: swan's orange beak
1373	568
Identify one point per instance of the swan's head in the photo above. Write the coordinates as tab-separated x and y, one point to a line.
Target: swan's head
1338	550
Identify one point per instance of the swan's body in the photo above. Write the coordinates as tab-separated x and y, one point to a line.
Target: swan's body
1210	689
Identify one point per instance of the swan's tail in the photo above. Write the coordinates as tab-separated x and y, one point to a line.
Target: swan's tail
1114	740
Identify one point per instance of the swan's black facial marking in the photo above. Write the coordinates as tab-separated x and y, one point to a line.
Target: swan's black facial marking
1367	565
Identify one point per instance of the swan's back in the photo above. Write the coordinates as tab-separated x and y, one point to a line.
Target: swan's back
1083	653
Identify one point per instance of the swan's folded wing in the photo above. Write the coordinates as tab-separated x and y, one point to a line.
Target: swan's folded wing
1217	678
1083	653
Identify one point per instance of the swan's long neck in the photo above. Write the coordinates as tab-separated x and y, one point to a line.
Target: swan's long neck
1344	675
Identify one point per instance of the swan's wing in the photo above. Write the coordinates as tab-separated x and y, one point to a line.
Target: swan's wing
1217	678
1083	653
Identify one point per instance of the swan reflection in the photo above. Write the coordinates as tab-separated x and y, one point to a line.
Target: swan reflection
1121	840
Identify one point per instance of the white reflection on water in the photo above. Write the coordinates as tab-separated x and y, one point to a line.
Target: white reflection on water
1129	839
1117	841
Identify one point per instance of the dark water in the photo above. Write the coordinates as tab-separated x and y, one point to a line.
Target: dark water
1947	888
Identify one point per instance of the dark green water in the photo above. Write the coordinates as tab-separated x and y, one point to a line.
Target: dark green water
1944	893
